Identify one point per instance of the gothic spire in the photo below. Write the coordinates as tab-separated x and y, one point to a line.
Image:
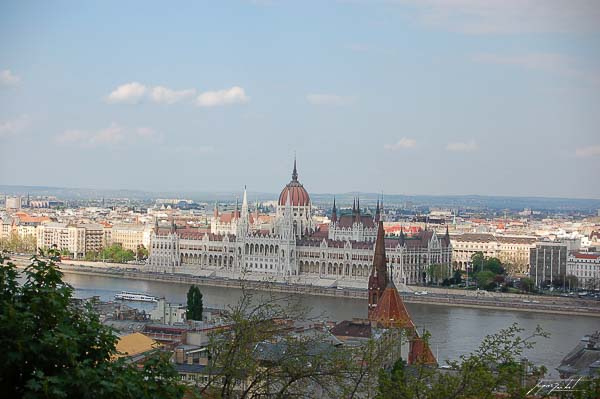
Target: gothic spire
334	212
245	204
295	172
379	261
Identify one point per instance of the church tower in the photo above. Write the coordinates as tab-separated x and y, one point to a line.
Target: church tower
379	276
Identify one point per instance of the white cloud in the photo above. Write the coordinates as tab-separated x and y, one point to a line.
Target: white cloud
164	95
135	93
234	95
547	62
400	144
129	93
114	134
7	78
330	99
462	146
586	152
508	16
12	127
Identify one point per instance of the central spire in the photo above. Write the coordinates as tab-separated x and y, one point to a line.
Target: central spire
295	172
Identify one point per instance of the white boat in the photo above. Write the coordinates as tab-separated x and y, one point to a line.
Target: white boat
135	296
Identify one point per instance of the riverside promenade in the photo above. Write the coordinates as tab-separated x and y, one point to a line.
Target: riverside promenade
434	296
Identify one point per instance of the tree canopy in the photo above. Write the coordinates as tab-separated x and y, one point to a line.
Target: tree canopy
53	349
194	304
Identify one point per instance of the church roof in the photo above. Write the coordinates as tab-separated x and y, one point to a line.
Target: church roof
391	311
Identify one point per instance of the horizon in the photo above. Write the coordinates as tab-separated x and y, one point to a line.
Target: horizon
276	194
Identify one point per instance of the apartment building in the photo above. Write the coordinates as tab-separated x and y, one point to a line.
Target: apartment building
586	267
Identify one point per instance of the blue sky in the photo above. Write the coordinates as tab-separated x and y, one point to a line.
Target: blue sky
409	97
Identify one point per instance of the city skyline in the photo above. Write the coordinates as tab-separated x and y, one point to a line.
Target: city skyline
404	98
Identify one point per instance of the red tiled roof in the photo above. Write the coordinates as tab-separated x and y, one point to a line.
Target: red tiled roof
390	311
581	255
346	221
352	328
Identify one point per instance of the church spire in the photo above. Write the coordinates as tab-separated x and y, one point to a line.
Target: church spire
334	212
216	210
377	213
245	204
379	279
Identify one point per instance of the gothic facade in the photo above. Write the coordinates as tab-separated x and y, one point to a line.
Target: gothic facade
292	245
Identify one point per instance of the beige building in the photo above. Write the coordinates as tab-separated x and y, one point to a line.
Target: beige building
130	236
77	239
63	236
511	250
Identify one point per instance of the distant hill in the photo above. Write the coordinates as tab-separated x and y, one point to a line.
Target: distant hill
343	199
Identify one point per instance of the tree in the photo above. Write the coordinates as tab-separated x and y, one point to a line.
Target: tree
116	253
485	279
194	304
457	276
437	273
527	285
495	367
142	252
53	349
571	282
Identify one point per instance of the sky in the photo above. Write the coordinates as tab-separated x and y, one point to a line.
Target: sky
441	97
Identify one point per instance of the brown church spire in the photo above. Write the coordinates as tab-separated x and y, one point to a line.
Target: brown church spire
378	280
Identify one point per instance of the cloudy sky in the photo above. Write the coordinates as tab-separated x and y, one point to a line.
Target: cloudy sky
494	97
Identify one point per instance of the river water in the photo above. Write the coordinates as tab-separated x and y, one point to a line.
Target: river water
454	331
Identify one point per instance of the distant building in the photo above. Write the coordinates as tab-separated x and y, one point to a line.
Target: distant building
548	262
130	236
584	359
168	313
13	203
586	267
514	250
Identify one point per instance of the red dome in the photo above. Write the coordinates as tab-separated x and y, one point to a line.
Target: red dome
298	194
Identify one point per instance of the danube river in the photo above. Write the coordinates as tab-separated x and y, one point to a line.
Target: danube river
454	331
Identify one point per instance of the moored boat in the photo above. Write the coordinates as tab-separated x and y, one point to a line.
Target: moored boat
135	296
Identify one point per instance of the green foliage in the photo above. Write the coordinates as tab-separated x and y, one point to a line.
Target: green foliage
260	355
527	285
457	276
485	279
438	273
495	367
393	384
52	349
481	263
91	256
116	253
571	282
142	252
15	243
194	304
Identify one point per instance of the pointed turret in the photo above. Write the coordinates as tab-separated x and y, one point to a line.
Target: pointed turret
156	225
216	211
402	237
245	204
379	276
334	212
173	226
377	213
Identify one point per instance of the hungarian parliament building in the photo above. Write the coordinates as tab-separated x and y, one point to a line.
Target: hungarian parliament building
292	244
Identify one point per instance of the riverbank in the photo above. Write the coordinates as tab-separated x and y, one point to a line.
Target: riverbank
552	305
